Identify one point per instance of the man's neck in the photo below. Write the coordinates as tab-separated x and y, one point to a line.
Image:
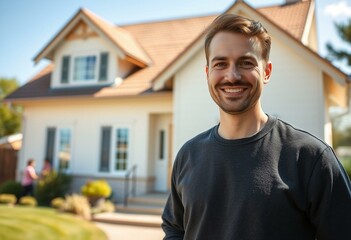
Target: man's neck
241	125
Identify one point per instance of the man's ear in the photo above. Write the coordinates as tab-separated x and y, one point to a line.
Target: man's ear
267	72
206	69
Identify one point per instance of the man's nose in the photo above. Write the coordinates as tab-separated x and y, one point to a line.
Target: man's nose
233	74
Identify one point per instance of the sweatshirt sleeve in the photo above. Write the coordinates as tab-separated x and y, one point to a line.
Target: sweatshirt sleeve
172	217
329	198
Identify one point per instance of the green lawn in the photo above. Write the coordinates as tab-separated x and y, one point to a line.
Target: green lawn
44	223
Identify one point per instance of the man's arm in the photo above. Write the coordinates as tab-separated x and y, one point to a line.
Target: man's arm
329	196
172	217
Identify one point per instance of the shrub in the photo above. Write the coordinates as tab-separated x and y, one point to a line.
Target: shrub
103	206
77	204
97	188
12	187
28	201
9	199
57	202
52	186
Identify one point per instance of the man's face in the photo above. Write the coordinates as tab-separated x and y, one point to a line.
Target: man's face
236	72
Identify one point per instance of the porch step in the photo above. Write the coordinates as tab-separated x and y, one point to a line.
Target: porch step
151	203
129	219
154	199
139	208
142	210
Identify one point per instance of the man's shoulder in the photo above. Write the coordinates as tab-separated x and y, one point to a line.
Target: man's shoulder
197	141
297	135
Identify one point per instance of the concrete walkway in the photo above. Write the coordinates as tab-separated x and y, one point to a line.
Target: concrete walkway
126	232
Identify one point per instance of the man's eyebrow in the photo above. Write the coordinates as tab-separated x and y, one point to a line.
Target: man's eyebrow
218	58
247	57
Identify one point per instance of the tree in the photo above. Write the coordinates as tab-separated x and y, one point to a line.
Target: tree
10	116
344	32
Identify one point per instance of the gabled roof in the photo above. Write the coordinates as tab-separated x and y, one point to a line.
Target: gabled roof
289	17
278	25
168	43
118	36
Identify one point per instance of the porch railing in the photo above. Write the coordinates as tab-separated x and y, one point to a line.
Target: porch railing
130	176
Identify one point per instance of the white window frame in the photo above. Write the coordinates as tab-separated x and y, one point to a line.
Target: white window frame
73	81
113	170
56	162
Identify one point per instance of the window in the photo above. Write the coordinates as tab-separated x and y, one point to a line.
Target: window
92	68
121	149
64	154
59	147
119	142
84	68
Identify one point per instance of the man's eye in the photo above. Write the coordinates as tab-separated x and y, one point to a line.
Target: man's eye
220	65
246	64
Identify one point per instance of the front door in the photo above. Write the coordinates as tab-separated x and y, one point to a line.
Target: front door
162	151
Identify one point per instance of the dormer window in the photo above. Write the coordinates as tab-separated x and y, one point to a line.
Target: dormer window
82	69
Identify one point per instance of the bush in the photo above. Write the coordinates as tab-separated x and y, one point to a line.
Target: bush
12	187
57	202
103	206
97	188
77	204
9	199
28	201
52	186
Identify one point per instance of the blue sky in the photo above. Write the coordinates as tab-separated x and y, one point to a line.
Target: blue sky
26	26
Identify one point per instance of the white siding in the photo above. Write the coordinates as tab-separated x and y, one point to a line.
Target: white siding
86	119
194	110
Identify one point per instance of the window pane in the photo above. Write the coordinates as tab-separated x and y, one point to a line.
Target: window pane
121	147
64	148
84	68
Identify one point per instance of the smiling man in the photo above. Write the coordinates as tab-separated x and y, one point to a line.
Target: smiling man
253	176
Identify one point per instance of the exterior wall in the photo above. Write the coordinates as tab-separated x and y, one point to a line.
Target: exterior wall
194	109
93	45
294	94
86	117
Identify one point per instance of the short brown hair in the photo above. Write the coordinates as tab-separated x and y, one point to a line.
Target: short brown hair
237	24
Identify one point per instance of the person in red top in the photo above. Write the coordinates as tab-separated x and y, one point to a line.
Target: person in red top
28	178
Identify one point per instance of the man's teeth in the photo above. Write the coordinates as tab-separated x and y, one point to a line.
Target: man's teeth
233	90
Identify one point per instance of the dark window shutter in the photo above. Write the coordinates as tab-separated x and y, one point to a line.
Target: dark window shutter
162	144
65	69
103	67
50	144
105	149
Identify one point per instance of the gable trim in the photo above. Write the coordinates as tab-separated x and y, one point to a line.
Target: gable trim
84	16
